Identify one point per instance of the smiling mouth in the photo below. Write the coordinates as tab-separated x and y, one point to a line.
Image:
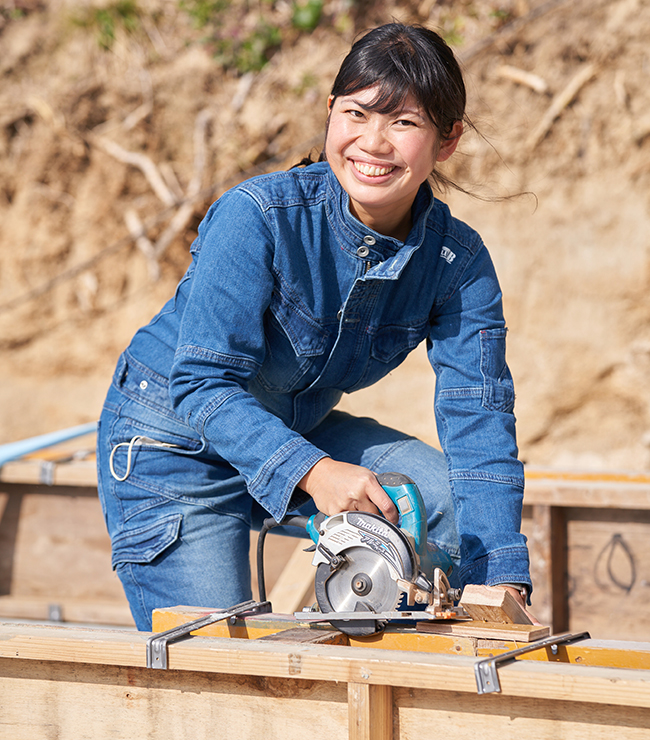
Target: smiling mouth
370	170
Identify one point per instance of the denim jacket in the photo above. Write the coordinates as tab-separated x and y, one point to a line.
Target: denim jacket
290	301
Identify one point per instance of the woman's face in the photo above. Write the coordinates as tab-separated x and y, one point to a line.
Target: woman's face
381	159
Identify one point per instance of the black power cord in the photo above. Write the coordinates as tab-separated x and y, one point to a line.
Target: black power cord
268	524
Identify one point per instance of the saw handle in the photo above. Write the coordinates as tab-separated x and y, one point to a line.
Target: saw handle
406	496
403	492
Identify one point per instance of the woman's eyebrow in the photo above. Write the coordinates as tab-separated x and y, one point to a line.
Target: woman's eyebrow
368	106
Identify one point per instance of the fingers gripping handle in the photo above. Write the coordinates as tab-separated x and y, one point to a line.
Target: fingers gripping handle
407	498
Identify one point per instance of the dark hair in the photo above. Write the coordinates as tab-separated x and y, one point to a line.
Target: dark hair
406	60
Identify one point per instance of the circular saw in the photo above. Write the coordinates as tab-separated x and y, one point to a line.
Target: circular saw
369	571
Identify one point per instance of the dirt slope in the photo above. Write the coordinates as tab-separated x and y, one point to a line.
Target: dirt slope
573	259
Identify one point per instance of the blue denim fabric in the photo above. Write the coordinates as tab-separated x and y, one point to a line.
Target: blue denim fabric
290	302
180	520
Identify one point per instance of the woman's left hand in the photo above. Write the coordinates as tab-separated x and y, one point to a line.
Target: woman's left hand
520	600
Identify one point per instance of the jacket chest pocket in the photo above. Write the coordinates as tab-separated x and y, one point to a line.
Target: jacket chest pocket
389	348
295	343
395	342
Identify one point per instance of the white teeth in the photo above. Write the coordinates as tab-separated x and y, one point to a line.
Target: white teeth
371	170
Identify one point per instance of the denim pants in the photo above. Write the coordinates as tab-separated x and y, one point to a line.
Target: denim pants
180	516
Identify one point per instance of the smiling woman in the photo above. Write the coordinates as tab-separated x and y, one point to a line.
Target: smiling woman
381	159
305	285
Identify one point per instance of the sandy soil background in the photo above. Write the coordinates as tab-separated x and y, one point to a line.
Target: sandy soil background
100	144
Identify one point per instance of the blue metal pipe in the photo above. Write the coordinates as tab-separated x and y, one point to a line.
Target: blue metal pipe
14	450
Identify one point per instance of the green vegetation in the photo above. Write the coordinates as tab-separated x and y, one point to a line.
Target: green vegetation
306	17
249	52
105	21
242	35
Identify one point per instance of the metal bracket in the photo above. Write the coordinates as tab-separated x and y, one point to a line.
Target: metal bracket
157	643
487	680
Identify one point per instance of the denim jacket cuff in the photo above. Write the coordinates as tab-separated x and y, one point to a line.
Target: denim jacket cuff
275	484
506	565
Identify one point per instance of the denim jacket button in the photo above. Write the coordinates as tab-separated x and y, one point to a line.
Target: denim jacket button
369	240
143	384
363	251
339	315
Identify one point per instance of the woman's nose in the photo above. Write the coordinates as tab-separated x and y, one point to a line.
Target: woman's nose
374	139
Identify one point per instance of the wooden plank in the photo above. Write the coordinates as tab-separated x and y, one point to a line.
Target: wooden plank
548	566
67	610
548	487
79	702
593	490
526	678
370	712
35	472
251	627
608	556
302	636
459	716
485	630
89	702
55	547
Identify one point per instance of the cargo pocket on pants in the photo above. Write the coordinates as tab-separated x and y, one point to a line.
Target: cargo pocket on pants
144	544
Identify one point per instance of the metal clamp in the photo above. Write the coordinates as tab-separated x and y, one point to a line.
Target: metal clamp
487	680
157	644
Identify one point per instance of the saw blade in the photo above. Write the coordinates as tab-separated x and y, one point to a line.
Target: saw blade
365	582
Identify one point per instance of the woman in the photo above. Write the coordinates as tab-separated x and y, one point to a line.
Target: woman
304	285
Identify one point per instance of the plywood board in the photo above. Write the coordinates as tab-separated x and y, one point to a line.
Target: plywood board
119	703
485	630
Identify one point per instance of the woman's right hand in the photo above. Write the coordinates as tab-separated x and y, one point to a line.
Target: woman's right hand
338	486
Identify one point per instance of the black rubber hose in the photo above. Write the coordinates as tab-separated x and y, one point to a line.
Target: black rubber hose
268	524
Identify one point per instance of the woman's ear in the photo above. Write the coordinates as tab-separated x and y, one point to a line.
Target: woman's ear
449	144
330	103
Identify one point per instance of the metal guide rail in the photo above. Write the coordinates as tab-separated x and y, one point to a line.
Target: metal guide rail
487	678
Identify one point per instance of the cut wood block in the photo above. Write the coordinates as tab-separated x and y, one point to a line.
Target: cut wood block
492	604
300	635
486	630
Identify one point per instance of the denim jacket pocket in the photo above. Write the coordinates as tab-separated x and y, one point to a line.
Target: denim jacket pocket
389	348
144	544
498	388
294	340
392	341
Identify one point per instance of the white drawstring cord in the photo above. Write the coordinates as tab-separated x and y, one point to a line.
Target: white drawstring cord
138	439
128	458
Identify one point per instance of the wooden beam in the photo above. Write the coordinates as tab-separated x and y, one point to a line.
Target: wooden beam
370	712
587	490
36	471
331	663
88	611
487	631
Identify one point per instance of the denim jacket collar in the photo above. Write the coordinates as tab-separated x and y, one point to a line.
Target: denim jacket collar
391	253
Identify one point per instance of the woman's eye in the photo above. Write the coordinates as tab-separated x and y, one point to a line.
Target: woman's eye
355	113
406	122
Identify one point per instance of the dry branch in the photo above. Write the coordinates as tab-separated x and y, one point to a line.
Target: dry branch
142	162
521	77
183	215
142	242
559	103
